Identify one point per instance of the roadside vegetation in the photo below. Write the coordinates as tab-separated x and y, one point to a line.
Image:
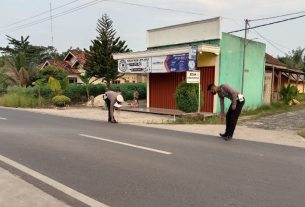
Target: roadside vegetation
208	120
29	97
23	84
291	100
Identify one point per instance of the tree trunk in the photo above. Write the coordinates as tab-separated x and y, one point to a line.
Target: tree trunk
88	95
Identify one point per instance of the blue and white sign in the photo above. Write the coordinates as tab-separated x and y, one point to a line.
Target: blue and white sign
172	63
160	64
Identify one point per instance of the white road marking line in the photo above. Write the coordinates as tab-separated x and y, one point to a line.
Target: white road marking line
65	189
126	144
1	118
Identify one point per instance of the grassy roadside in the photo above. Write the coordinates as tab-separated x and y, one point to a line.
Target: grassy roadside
272	109
210	120
248	114
275	108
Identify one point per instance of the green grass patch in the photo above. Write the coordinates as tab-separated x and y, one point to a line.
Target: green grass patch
19	100
262	111
208	120
267	109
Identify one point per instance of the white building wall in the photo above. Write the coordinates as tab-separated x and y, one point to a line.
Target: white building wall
184	33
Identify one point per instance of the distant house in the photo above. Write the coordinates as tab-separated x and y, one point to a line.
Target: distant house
277	75
73	65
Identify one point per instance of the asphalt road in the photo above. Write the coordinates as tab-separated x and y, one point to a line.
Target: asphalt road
194	170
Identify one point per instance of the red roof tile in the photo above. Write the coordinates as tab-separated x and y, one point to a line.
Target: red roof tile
273	61
80	56
64	65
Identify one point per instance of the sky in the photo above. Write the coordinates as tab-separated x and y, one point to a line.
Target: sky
131	22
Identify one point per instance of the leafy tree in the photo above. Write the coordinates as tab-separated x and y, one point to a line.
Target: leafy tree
87	82
99	59
49	71
34	55
295	59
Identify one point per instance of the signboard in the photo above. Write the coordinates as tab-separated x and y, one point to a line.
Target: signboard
193	77
135	65
177	63
193	52
160	64
172	63
193	57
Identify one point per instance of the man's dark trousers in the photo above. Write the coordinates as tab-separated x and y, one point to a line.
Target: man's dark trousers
108	107
232	118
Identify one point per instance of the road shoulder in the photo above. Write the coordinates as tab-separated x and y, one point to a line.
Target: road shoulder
18	192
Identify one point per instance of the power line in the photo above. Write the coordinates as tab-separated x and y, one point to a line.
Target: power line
267	24
156	7
170	10
94	2
167	9
66	12
37	15
270	42
278	16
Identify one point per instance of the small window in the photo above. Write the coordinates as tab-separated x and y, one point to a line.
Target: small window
116	82
72	80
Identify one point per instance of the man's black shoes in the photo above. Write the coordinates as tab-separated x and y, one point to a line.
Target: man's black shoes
225	136
228	138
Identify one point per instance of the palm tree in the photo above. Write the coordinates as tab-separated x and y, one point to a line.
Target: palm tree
87	82
15	70
5	80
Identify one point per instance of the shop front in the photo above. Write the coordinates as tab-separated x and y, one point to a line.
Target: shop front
166	69
201	46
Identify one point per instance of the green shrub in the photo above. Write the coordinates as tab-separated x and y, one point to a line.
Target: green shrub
45	91
61	101
301	97
187	97
288	93
127	90
19	100
21	90
77	92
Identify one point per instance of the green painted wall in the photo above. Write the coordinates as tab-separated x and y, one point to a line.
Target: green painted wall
231	63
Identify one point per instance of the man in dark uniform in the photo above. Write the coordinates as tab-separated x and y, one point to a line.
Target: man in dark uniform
234	111
113	101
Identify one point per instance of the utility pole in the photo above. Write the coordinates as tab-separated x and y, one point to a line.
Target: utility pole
244	56
51	18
